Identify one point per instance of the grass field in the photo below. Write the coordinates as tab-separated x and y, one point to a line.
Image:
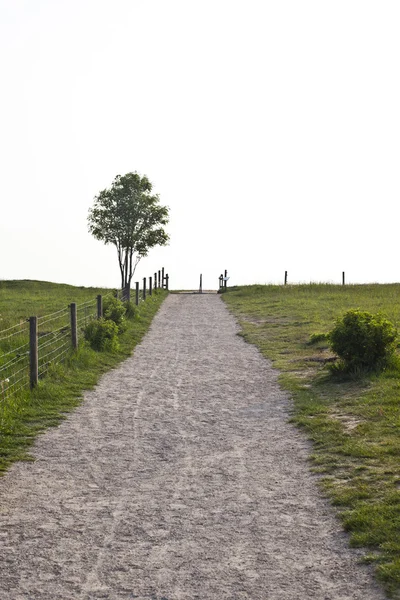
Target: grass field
25	414
354	422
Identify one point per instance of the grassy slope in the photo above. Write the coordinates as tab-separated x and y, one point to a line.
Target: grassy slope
22	299
354	423
27	414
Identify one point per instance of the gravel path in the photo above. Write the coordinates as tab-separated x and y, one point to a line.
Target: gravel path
178	478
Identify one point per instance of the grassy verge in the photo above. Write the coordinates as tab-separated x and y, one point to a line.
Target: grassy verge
25	415
354	422
22	299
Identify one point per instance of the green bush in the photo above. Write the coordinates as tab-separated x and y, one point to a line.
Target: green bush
114	310
363	340
130	310
102	335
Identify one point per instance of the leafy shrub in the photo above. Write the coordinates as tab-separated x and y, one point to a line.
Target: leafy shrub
363	340
102	335
114	310
130	310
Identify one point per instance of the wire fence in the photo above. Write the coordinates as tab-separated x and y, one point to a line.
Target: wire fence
14	358
24	350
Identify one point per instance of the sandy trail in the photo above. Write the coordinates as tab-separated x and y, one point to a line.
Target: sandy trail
178	478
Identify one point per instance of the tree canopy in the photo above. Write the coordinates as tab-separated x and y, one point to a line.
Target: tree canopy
131	218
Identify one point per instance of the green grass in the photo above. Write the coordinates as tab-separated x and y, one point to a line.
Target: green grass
22	299
25	414
353	421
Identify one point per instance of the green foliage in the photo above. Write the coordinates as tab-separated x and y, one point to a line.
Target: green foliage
114	310
102	335
130	310
315	338
363	340
131	218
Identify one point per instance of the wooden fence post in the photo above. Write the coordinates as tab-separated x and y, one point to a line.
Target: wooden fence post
285	277
144	288
201	284
99	306
162	278
225	279
137	293
74	326
343	281
150	286
159	279
167	282
155	281
33	352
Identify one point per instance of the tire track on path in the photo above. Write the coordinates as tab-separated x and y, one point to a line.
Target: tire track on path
178	478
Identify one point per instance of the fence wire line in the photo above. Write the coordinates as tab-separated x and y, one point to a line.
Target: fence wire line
7	337
13	361
12	385
85	318
87	302
12	327
57	318
15	350
52	314
53	341
45	364
62	329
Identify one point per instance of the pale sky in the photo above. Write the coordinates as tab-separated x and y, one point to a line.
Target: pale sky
270	128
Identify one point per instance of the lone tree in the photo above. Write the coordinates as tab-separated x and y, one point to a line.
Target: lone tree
129	216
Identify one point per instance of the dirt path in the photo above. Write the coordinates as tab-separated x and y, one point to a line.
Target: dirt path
178	478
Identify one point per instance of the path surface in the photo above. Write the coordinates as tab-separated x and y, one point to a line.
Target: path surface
178	478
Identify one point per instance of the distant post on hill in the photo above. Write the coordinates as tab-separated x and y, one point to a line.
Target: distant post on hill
131	218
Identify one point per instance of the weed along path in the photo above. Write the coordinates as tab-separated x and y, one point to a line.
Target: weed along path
178	478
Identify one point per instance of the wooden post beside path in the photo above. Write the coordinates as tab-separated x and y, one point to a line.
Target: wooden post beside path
33	352
99	306
74	326
137	293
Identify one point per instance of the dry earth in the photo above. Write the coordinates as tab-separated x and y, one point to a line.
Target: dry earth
178	478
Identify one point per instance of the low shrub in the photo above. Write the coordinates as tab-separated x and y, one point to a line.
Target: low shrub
102	335
130	310
114	310
363	341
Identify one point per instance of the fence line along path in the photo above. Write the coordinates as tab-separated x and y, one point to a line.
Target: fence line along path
178	478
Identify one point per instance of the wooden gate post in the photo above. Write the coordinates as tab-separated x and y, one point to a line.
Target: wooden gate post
33	352
167	282
225	279
162	278
159	279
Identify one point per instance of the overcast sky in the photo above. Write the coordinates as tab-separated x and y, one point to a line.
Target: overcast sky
270	128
